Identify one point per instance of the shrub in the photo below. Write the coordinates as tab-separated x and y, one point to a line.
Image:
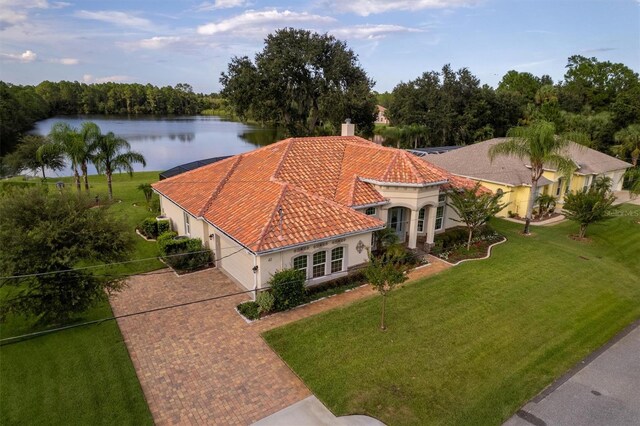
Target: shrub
265	301
351	280
511	214
287	288
183	254
163	226
249	309
164	239
452	237
149	227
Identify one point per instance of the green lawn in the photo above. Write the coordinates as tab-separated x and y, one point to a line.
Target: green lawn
83	375
474	343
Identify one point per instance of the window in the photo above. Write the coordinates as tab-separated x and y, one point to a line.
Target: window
187	225
439	217
371	211
442	197
421	220
499	191
559	188
300	264
319	263
337	259
587	183
568	185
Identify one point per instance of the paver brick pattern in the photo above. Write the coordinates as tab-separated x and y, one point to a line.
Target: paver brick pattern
201	363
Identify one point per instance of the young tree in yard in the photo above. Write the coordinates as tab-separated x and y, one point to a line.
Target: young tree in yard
147	190
474	207
41	234
384	274
588	206
540	147
114	153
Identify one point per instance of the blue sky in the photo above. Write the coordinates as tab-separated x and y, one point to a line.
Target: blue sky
167	42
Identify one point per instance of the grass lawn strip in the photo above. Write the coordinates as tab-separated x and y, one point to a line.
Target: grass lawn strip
474	343
83	375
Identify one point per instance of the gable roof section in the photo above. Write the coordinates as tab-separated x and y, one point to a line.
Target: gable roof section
473	161
298	190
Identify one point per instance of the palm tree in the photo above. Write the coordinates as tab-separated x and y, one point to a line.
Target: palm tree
114	153
628	142
541	147
633	174
89	133
66	139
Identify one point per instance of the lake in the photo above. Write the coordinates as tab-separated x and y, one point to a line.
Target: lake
166	142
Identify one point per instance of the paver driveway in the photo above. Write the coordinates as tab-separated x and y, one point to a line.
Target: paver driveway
201	363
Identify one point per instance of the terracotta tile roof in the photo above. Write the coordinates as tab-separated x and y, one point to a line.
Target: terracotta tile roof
298	190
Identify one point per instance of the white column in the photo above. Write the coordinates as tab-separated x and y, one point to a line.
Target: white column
413	229
431	223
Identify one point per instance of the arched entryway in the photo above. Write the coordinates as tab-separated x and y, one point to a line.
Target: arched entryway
398	220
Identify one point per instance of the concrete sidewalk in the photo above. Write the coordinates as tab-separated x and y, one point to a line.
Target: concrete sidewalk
606	391
311	412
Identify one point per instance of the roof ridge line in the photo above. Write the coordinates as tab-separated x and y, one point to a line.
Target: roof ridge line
285	154
267	225
352	192
412	165
220	185
337	180
390	166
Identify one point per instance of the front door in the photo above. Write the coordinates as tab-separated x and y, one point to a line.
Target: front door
397	221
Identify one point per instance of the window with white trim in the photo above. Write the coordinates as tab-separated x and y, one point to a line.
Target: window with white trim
421	220
439	217
568	188
587	183
442	197
337	259
319	264
300	264
371	211
187	225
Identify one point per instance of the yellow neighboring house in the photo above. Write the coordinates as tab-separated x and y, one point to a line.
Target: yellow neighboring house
512	176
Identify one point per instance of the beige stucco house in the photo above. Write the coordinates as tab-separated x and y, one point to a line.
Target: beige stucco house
307	203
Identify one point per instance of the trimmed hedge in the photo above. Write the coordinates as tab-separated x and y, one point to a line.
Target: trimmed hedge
327	288
183	254
151	227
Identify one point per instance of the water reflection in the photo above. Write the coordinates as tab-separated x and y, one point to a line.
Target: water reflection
170	141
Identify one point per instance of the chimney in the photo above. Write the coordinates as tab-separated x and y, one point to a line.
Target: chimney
348	129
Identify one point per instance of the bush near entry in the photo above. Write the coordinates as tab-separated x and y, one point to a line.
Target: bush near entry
183	254
287	288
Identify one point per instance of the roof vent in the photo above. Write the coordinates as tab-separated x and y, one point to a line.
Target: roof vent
348	129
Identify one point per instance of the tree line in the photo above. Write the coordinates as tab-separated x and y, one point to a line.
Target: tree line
600	99
22	106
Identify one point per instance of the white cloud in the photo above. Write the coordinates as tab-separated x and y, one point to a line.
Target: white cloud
370	7
371	32
114	17
532	64
13	12
88	78
254	23
153	43
66	61
221	4
26	56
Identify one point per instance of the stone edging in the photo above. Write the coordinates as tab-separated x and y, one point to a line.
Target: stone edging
142	236
504	240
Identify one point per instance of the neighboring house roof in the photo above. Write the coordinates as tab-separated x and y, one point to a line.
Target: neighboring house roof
473	161
174	171
298	190
381	108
